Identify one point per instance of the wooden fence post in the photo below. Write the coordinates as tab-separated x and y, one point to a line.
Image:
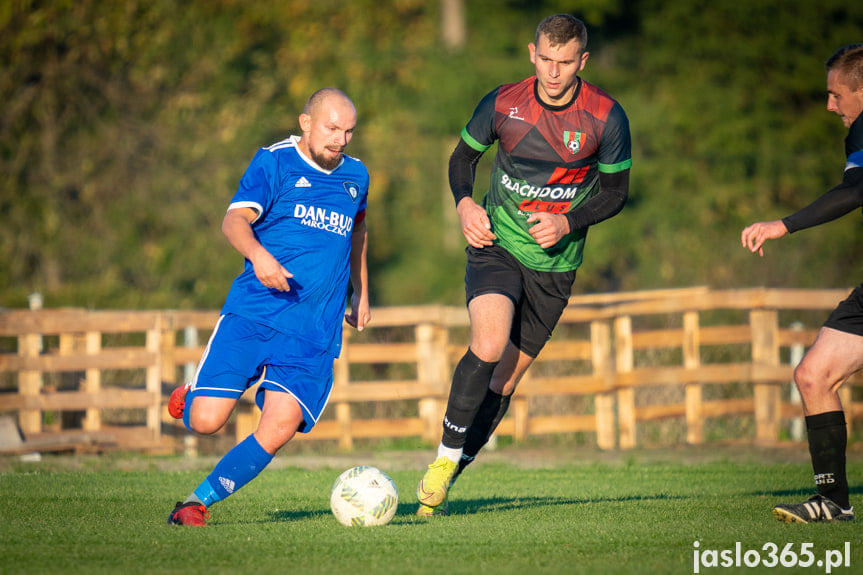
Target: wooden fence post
626	396
600	339
30	383
341	379
153	378
72	344
765	351
433	371
167	350
694	395
519	408
92	381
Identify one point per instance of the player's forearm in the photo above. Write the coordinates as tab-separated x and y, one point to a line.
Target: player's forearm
613	192
462	171
238	229
359	260
835	203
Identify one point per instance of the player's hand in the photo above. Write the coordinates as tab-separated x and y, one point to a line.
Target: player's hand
360	312
475	224
549	229
754	236
270	272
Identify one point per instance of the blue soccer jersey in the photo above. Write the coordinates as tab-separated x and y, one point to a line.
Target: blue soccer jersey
306	216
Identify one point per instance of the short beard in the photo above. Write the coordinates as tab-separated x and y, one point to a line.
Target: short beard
325	162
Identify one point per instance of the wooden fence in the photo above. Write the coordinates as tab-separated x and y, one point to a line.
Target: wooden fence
617	365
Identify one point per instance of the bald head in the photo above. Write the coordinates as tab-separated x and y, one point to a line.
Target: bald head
327	122
325	96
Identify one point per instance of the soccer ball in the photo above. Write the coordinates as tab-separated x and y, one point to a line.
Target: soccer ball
364	495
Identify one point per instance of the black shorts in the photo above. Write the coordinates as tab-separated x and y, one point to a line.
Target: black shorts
539	297
848	315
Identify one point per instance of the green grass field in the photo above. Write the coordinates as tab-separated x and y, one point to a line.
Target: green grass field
627	513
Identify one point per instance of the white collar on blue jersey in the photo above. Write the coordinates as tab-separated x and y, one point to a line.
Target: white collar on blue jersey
296	140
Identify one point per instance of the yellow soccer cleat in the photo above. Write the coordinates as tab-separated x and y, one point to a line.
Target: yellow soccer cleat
433	487
426	511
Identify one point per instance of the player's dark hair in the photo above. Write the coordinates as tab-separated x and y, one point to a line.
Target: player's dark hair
848	61
561	28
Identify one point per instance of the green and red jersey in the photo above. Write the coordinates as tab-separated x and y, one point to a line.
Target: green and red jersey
548	160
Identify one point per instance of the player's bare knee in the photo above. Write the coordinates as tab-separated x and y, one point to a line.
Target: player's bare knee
205	423
487	350
813	382
804	378
273	433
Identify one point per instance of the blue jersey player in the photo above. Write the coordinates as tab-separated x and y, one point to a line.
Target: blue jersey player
838	350
298	219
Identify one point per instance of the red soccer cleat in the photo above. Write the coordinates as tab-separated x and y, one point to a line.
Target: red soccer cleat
191	514
178	401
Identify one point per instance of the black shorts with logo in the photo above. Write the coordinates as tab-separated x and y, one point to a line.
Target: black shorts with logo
848	315
539	297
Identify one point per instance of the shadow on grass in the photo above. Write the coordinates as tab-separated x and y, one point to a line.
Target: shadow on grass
296	515
482	505
804	492
407	509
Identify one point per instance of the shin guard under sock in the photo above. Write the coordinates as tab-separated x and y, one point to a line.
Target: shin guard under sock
469	383
491	411
239	466
828	440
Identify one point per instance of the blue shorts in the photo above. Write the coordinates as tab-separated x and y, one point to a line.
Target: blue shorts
240	351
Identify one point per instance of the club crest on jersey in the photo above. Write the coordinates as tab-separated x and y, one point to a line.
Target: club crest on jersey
352	189
573	141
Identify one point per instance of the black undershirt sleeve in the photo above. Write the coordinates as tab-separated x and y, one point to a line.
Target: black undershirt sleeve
833	204
462	170
613	191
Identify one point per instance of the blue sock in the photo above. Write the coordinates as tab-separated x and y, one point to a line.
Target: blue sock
239	466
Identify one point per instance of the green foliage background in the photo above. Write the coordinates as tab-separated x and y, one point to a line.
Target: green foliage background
125	126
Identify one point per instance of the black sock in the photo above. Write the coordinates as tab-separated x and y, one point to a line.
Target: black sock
491	411
828	439
469	383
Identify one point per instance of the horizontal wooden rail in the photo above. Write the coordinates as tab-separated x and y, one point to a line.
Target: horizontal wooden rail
79	401
107	358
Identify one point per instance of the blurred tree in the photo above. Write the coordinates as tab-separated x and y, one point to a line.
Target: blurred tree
727	106
125	127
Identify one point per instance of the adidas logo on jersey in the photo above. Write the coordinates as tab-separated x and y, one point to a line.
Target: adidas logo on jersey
303	183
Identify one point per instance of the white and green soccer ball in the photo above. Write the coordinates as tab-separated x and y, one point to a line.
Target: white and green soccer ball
364	495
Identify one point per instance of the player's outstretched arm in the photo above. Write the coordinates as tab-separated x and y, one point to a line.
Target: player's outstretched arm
754	236
237	227
360	308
